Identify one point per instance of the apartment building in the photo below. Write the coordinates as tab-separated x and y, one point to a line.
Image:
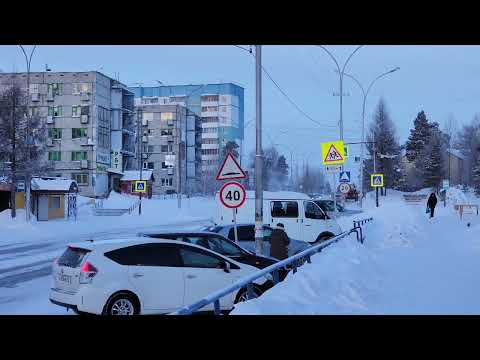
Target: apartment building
220	106
171	147
90	121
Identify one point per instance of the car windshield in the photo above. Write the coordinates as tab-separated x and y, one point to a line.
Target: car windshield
328	205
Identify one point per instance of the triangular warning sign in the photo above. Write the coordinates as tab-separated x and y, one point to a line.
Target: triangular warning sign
230	169
333	155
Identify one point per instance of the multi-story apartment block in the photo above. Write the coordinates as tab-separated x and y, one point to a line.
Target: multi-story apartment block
170	146
221	107
90	124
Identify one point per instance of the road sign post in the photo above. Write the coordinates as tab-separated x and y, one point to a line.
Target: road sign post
376	181
233	196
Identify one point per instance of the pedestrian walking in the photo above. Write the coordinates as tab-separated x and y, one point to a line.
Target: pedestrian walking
432	202
279	242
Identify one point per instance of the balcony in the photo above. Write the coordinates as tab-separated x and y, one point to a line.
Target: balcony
86	142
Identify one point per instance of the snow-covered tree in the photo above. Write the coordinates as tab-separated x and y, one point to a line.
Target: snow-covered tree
433	170
476	177
418	138
382	130
468	142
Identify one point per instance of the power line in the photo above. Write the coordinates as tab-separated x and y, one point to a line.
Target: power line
286	96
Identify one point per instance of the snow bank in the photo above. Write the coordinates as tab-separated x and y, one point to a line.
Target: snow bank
409	264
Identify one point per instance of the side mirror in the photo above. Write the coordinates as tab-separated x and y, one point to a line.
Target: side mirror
226	266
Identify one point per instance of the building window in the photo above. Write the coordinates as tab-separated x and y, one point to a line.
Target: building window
151	132
210	141
80	88
164	116
210	98
34	88
54	156
210	130
209	108
55	89
55	111
209	151
164	148
81	179
147	116
210	119
85	110
103	133
55	202
79	155
167	182
79	133
150	166
76	109
151	149
55	133
166	132
223	108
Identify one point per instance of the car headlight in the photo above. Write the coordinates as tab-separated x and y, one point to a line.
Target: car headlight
269	277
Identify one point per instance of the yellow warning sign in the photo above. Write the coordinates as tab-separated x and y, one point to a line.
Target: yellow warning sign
376	180
333	153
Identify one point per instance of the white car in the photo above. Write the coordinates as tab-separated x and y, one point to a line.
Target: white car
144	276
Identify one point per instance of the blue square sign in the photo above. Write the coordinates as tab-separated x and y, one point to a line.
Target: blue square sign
345	177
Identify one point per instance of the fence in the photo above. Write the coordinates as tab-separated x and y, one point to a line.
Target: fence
295	261
357	228
115	212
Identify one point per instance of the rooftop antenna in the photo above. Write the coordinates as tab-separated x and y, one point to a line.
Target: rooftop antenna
47	68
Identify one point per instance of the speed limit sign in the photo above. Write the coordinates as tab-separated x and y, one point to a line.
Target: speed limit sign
344	188
232	195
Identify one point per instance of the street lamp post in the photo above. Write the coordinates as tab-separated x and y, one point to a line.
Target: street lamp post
365	94
341	72
28	60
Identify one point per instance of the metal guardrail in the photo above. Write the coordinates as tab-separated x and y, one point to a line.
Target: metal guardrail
357	228
295	261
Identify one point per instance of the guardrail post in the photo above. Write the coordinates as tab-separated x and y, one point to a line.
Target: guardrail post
216	307
250	291
294	268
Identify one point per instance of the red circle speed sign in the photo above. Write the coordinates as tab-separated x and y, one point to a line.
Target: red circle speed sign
232	195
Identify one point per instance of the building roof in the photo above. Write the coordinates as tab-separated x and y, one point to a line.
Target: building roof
456	153
132	175
53	184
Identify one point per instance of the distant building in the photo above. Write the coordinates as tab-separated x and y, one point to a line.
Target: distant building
131	176
220	106
171	147
90	121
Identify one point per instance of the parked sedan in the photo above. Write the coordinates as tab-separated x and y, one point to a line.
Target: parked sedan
218	243
246	237
144	276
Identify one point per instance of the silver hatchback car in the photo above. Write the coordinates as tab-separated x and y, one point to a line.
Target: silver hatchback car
246	237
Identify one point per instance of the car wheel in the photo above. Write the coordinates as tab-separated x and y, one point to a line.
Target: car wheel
122	304
324	237
243	295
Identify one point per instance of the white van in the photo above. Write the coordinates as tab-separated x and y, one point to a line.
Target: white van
303	219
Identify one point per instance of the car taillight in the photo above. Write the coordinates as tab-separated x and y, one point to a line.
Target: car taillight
87	273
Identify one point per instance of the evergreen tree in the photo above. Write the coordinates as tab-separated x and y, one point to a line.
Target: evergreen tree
280	171
476	177
382	130
433	171
419	136
230	147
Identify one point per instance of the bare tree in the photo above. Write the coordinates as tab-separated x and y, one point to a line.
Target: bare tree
14	139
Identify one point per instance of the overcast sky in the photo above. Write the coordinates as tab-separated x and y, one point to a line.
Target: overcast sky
442	80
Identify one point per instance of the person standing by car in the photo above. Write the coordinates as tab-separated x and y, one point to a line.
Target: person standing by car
279	242
432	202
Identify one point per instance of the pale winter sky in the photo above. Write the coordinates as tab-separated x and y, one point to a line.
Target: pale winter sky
442	80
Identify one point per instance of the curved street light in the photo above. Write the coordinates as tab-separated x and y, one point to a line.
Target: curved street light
28	60
341	72
365	94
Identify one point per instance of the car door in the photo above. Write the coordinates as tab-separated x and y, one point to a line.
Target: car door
287	213
156	272
204	274
314	222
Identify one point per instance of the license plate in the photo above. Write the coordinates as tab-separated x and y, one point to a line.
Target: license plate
65	278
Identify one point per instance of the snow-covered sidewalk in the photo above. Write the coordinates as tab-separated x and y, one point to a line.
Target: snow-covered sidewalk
408	265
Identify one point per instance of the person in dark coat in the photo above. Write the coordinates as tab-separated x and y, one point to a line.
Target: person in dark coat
432	202
279	242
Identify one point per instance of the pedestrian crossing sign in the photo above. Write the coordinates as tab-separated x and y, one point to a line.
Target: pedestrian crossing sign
140	186
333	153
345	177
376	180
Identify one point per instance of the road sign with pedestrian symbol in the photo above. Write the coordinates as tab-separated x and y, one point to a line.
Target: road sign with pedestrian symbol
376	180
140	186
333	153
345	177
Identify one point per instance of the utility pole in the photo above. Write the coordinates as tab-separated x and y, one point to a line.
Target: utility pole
140	152
375	166
28	60
258	153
